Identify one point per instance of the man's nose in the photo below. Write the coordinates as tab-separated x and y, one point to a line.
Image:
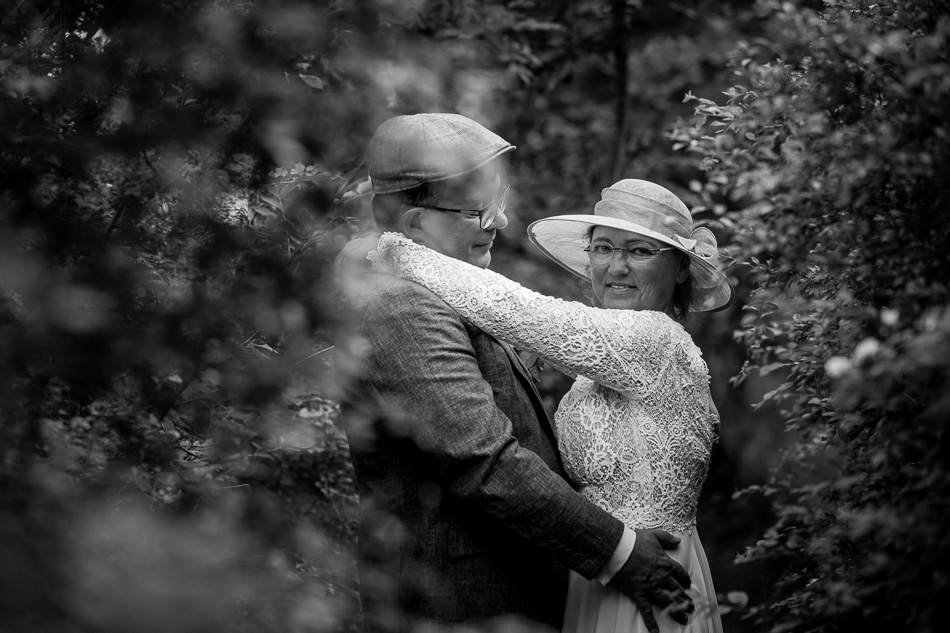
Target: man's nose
499	222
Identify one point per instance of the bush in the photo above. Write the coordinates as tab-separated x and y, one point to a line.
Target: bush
827	167
168	456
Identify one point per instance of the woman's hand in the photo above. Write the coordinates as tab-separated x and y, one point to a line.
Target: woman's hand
351	266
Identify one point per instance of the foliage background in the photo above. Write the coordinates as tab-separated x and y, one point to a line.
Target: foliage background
176	177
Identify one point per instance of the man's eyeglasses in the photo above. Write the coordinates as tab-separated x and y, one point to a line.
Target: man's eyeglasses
603	254
486	215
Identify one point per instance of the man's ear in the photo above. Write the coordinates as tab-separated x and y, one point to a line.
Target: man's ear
410	224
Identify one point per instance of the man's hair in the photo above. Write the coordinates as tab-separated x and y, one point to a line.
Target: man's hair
389	207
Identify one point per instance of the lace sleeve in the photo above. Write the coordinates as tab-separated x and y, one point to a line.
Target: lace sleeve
623	349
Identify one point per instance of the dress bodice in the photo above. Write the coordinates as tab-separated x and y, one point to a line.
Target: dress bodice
636	429
646	467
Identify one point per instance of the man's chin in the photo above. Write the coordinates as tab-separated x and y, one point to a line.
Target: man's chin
480	257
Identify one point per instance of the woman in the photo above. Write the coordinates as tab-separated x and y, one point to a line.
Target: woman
637	428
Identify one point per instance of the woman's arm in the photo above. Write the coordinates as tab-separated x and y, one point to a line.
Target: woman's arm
623	349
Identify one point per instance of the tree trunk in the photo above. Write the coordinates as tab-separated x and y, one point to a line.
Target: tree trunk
618	13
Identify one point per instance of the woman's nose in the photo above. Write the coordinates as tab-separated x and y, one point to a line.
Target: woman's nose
619	263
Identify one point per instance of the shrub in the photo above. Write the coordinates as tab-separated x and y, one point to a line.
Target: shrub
827	167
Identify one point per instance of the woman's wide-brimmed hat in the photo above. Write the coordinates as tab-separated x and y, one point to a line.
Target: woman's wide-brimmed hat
647	209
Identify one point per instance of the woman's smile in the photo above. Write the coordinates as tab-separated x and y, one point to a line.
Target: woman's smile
619	288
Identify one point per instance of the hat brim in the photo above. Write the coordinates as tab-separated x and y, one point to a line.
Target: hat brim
412	180
564	237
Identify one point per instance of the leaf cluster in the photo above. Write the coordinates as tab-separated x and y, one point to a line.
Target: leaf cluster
165	242
826	166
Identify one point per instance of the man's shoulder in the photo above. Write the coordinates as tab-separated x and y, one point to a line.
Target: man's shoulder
385	301
388	297
382	290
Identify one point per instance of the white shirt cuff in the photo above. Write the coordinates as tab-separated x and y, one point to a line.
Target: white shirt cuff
619	557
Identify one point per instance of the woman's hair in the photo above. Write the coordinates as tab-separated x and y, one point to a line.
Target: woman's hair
682	293
682	296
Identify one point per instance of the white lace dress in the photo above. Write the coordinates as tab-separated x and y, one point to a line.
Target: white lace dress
635	431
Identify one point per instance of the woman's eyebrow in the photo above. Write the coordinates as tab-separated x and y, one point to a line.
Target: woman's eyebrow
634	240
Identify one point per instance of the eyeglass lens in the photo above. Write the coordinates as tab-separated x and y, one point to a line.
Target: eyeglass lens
495	209
601	253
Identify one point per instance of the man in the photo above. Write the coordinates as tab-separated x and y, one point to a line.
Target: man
465	511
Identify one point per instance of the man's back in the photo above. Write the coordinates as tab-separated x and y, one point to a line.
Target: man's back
440	419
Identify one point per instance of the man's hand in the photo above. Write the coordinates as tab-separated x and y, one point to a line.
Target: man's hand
651	577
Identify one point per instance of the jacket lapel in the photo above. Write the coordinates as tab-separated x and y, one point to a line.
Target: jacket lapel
518	364
530	387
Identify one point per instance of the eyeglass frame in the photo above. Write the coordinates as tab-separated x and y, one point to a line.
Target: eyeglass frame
628	253
485	217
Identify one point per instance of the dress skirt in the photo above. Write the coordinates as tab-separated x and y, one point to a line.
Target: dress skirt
593	608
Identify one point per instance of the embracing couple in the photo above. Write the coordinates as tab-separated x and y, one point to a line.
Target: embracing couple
475	509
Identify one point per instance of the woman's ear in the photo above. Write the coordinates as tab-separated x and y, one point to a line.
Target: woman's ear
683	273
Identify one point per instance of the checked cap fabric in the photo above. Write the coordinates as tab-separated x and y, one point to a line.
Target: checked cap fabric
409	150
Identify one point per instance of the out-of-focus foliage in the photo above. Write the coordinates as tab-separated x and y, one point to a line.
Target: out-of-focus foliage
169	460
827	165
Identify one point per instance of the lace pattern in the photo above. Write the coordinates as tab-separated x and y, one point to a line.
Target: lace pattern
636	429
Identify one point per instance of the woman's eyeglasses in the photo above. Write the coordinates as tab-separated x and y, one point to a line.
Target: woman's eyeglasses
603	254
486	215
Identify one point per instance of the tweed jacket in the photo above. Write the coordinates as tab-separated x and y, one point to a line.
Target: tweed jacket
465	511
